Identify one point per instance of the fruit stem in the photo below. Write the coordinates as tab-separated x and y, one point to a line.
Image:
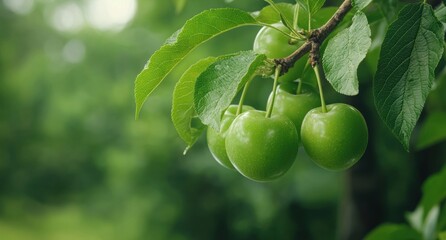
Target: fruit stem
242	98
276	80
317	70
284	20
299	87
291	36
296	16
309	21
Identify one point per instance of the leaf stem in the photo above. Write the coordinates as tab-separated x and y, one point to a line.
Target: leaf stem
276	80
243	97
309	21
317	70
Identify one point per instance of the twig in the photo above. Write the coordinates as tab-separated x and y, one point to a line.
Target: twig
317	37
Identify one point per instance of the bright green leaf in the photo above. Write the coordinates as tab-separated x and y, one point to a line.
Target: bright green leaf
393	232
411	50
360	4
442	236
183	111
322	16
427	226
311	6
430	223
269	15
415	219
432	131
179	5
217	86
434	191
197	30
344	53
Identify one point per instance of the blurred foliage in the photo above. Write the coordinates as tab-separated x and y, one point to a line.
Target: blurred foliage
74	164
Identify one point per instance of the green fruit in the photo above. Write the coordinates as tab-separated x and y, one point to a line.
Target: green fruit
275	44
261	148
337	139
216	140
294	106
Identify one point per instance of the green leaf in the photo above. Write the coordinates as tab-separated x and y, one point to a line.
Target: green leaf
217	86
430	223
440	13
360	4
427	226
197	30
388	8
311	6
393	232
434	191
179	5
183	111
432	131
411	50
344	53
442	236
269	15
322	16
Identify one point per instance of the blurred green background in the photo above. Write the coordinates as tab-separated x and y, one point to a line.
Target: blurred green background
75	164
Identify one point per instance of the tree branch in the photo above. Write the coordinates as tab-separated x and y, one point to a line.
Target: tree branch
317	37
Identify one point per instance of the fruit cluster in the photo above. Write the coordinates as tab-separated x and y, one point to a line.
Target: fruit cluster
263	146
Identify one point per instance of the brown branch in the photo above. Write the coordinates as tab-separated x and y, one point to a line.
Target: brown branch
316	39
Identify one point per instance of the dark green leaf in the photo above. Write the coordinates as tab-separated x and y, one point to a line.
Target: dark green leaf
410	52
360	4
311	6
433	130
393	232
217	86
183	111
388	8
197	30
434	191
344	53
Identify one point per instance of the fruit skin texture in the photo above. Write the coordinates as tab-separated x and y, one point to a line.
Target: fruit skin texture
274	44
216	140
260	148
294	106
337	139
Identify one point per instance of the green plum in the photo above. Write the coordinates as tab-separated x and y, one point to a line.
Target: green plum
261	148
335	139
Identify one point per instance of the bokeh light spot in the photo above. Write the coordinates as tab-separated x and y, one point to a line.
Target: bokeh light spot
67	17
110	14
21	7
74	51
